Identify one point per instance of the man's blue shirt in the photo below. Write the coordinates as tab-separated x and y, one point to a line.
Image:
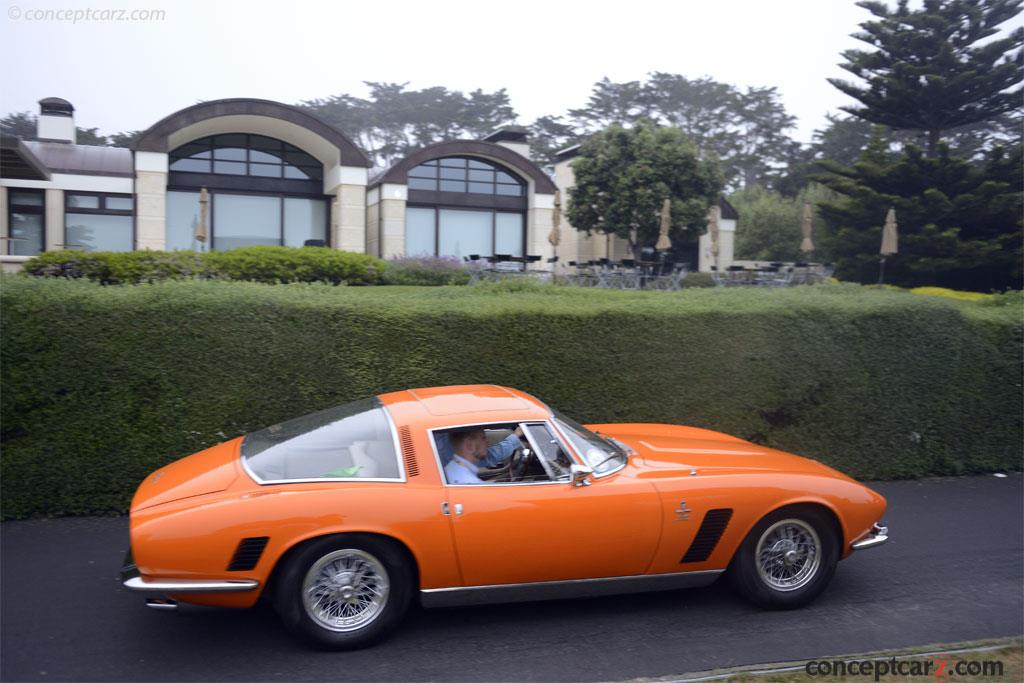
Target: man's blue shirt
496	454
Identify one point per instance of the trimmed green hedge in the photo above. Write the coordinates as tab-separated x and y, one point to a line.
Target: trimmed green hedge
101	385
258	264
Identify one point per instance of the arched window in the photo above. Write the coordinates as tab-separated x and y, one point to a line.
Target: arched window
460	206
261	191
467	175
244	154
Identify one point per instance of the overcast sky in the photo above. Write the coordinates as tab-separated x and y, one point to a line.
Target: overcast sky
126	75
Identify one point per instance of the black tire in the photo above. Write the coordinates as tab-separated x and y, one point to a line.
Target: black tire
360	550
747	578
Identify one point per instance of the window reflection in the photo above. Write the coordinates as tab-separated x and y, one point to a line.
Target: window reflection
453	172
244	154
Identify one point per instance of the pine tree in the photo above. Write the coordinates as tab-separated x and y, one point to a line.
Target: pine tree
959	223
933	69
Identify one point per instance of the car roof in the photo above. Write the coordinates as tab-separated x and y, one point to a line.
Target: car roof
464	404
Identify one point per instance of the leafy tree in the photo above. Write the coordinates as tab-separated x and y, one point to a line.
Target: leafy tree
763	142
23	125
551	134
769	227
745	129
933	69
393	120
125	139
623	175
612	104
20	124
959	223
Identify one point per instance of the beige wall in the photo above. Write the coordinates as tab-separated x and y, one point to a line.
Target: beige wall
373	229
392	228
726	246
348	225
150	200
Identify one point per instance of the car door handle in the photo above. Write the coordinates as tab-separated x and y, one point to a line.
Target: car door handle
446	510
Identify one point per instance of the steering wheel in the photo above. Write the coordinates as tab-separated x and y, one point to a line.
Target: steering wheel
518	463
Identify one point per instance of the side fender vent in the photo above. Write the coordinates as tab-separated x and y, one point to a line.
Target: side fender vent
248	554
412	468
708	535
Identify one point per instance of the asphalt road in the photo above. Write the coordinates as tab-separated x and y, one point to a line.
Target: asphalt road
952	571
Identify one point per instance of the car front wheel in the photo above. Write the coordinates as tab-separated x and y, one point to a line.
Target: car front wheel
344	592
787	559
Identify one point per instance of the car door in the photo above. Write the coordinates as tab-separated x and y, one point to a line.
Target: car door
551	531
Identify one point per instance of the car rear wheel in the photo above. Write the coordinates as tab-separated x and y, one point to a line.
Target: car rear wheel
787	559
344	592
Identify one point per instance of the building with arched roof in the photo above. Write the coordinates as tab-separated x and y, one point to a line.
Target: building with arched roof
274	174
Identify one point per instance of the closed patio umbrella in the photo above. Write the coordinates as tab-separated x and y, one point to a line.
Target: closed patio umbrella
806	245
889	242
204	204
664	243
555	236
714	214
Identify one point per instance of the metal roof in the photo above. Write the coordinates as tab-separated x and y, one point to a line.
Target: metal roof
17	161
62	157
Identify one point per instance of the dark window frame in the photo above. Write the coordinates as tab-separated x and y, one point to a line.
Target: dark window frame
494	211
102	197
13	208
101	211
466	168
280	196
313	170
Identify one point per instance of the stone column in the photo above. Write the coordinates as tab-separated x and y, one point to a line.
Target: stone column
150	200
54	220
347	185
392	219
538	228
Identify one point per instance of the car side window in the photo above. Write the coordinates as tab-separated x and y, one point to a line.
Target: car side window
507	453
552	455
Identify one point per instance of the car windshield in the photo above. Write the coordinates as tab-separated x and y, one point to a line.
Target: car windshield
599	453
352	441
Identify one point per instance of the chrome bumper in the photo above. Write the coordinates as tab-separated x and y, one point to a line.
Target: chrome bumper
132	580
877	536
137	583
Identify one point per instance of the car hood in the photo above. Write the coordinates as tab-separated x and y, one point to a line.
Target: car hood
665	450
204	472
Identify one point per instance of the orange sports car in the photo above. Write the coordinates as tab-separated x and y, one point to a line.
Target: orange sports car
453	495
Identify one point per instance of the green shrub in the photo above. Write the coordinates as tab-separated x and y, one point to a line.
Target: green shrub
108	267
426	271
698	279
102	385
259	264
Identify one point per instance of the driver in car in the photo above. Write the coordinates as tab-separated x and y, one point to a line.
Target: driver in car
470	452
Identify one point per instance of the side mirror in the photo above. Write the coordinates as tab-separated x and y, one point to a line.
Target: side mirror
580	475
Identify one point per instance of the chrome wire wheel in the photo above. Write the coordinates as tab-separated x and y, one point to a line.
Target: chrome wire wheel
345	590
788	555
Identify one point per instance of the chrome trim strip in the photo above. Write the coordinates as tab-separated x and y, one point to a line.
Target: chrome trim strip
165	604
877	536
137	583
557	590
